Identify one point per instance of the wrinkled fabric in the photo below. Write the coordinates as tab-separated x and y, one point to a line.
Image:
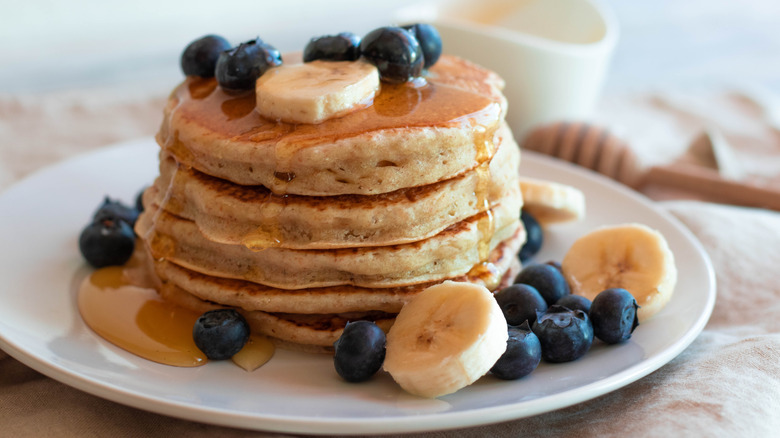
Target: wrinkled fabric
735	133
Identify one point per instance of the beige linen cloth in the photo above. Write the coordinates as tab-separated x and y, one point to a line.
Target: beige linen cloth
727	383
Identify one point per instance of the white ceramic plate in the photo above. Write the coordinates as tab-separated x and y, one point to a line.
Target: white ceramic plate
40	267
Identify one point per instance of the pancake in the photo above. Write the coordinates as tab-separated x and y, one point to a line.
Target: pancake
449	253
305	332
231	214
413	134
333	299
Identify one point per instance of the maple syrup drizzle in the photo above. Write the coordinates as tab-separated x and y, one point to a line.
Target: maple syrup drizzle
257	351
486	272
137	320
270	233
485	145
485	150
230	115
486	223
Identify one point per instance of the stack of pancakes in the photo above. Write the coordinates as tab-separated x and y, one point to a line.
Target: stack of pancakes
303	228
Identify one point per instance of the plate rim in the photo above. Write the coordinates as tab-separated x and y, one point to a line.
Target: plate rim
352	425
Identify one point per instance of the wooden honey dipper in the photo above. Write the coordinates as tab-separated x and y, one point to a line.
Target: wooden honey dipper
596	148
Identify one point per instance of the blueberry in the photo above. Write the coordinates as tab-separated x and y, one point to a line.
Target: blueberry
220	333
200	56
522	356
139	201
575	302
107	242
239	67
534	237
548	280
613	314
520	302
274	55
342	47
555	264
430	41
115	210
565	334
359	351
395	52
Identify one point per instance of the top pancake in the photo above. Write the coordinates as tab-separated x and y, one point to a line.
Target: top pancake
414	134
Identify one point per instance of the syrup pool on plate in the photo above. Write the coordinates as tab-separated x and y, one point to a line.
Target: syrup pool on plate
116	303
136	319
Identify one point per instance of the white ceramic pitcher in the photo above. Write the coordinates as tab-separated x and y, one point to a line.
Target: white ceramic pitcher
553	54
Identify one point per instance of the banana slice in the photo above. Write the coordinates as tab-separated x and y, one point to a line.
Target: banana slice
631	256
550	202
315	91
446	338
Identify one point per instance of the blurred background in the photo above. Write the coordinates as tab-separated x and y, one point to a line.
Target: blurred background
49	45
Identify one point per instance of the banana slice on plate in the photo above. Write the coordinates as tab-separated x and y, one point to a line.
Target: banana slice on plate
550	202
630	256
315	91
446	338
